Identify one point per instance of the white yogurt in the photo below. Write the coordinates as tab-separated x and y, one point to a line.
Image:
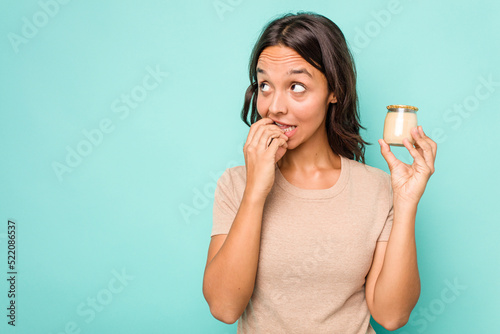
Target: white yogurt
400	119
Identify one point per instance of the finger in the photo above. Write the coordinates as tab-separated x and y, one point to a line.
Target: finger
387	154
267	136
275	135
418	148
420	143
277	128
256	126
273	148
425	147
280	135
431	142
417	157
283	135
256	140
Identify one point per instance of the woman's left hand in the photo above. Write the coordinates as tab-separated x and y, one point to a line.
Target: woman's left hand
409	181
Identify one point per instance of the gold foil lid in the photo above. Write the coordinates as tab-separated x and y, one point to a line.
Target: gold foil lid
401	106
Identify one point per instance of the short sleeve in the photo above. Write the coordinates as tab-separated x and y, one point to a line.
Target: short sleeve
225	206
386	230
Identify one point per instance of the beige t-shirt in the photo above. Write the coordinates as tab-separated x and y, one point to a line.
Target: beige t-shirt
316	249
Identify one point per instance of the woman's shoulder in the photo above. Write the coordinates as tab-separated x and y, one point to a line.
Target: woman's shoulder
234	177
369	174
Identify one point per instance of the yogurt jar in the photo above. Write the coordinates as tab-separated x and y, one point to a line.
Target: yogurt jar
400	119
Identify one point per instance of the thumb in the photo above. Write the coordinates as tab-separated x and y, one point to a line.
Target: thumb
386	153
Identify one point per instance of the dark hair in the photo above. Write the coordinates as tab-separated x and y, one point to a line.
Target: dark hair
321	43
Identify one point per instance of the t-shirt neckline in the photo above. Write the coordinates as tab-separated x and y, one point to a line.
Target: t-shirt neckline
317	193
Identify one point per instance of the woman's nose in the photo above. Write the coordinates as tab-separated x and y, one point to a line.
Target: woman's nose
278	104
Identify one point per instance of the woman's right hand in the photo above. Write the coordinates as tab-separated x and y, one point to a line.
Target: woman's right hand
265	145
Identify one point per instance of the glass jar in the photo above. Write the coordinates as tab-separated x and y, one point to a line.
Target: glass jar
400	119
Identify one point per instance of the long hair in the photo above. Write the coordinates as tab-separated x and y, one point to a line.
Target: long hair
322	44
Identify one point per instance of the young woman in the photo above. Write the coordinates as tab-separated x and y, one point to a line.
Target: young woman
306	237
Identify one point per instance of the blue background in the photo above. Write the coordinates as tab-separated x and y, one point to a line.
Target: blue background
137	205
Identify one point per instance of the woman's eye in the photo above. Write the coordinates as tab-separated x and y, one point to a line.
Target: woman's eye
264	87
298	88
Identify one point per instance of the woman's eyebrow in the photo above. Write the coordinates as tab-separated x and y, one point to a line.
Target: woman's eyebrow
292	71
299	71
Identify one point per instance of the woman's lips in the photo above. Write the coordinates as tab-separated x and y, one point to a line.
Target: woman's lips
289	130
283	125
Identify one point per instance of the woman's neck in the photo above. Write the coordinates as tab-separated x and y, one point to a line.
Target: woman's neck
311	156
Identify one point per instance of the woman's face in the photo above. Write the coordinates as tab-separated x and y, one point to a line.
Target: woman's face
292	93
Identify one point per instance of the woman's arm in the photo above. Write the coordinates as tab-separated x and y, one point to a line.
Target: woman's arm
231	268
232	261
393	283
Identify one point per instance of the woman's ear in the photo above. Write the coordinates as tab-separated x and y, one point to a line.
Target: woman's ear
332	98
